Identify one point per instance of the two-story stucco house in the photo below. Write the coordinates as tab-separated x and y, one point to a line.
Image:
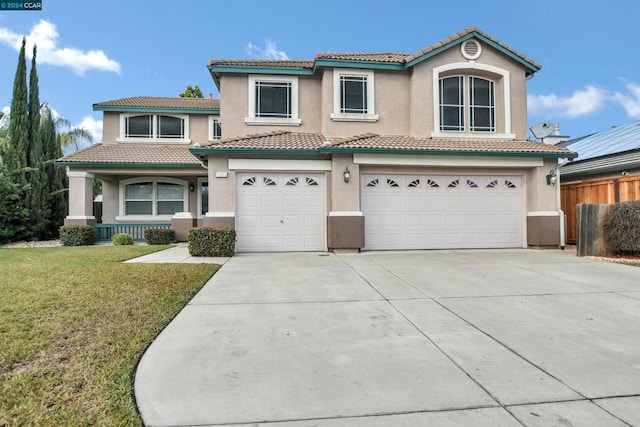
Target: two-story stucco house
345	151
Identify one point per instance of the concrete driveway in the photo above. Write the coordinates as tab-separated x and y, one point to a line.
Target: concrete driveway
474	337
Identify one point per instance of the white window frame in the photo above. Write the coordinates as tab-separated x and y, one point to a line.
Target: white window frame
154	129
294	120
337	115
154	200
467	69
212	135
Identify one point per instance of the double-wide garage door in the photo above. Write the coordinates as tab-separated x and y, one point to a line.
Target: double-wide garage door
438	211
280	212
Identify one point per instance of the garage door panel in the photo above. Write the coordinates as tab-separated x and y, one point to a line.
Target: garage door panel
439	211
280	212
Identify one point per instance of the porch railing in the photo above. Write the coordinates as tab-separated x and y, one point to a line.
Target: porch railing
106	231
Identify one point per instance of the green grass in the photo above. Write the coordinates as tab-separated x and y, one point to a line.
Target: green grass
74	321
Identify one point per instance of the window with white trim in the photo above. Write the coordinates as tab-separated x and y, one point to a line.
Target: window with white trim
273	100
215	128
153	197
467	104
204	197
353	95
154	128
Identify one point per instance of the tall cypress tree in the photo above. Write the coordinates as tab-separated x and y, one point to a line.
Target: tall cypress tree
15	148
38	196
55	177
14	152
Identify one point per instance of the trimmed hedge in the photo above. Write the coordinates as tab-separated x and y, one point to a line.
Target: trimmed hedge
622	228
122	239
159	236
78	235
212	242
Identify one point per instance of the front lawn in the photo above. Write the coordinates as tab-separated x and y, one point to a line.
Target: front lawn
74	321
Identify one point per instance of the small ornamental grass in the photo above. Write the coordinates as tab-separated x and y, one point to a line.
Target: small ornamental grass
211	242
75	322
622	228
121	239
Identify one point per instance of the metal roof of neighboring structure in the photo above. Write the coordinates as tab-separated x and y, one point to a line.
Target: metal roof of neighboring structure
614	149
312	143
611	141
151	103
112	155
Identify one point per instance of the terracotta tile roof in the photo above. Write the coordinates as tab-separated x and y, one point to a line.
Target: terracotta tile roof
263	63
375	57
286	140
373	141
271	141
162	102
133	154
394	57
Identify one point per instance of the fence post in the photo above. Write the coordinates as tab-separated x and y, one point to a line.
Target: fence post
591	236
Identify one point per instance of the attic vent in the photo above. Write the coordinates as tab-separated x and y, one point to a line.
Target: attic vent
471	49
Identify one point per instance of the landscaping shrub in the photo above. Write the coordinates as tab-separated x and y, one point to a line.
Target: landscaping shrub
122	239
78	235
159	236
622	228
206	241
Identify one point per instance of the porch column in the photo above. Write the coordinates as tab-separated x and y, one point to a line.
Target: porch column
80	198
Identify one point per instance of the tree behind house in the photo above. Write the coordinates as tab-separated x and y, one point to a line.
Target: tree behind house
192	92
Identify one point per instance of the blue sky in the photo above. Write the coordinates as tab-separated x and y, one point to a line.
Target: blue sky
92	51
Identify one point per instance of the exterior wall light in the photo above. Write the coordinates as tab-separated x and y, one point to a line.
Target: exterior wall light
192	187
346	175
552	178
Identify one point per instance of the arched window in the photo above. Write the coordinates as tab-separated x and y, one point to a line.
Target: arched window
467	97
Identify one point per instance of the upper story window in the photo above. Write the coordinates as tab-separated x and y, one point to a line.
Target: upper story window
215	128
156	128
353	95
467	104
273	100
473	100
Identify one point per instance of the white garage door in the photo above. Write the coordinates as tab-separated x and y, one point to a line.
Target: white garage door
437	211
280	212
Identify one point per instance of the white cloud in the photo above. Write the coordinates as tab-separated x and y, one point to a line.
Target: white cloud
579	103
270	51
631	101
45	35
93	126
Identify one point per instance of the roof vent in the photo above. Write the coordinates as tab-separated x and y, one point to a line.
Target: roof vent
471	49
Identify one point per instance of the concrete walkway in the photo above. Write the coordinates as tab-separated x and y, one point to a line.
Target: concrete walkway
478	337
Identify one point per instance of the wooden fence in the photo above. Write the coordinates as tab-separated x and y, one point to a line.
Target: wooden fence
603	191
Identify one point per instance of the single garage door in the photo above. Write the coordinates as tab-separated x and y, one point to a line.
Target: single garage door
280	212
438	211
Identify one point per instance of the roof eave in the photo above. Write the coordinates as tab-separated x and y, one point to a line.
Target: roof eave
247	69
411	152
354	63
174	110
125	164
531	67
203	151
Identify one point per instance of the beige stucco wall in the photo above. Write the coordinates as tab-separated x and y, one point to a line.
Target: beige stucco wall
344	196
234	106
198	127
222	197
540	196
403	99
